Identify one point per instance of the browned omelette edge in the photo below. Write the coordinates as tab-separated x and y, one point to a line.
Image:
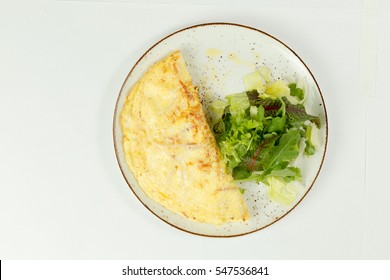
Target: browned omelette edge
211	24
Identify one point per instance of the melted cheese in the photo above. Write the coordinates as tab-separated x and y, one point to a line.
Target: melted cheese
171	150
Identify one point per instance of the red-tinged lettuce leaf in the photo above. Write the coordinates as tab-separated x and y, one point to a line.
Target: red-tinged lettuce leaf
253	96
255	161
298	113
272	106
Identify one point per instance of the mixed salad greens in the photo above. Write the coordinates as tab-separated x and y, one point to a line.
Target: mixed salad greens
261	131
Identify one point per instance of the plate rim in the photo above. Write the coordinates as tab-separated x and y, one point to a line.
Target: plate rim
205	25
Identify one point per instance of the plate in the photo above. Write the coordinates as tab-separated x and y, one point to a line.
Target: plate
217	56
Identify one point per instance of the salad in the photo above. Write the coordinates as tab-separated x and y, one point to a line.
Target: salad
261	132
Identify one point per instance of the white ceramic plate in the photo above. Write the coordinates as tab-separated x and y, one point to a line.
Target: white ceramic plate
218	55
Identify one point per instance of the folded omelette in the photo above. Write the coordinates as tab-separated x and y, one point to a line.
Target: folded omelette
171	150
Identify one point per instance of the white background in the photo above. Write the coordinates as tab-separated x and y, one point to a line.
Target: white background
214	269
62	195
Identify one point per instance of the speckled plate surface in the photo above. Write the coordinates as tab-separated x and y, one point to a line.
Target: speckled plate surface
218	55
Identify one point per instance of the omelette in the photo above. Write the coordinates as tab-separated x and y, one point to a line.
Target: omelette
171	150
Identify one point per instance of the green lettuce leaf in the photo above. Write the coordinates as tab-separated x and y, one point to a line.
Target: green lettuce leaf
296	91
280	192
287	174
238	102
285	151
